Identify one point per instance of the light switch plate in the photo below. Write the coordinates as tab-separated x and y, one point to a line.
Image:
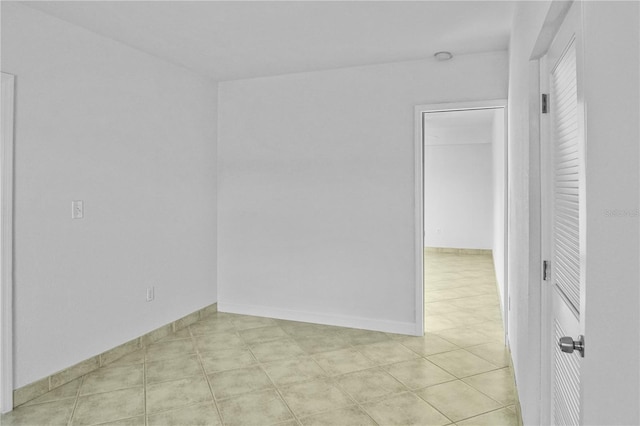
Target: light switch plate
150	294
77	209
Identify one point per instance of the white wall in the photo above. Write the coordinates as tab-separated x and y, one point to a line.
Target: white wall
524	288
498	199
132	136
610	375
458	206
316	187
611	79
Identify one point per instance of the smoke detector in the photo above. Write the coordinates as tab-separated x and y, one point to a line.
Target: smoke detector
443	56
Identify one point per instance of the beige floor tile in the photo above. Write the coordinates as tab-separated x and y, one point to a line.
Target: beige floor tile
303	329
131	421
172	369
404	410
262	334
227	359
439	307
223	316
49	413
343	361
256	408
276	350
352	416
178	335
438	322
308	398
294	370
170	349
361	337
473	290
70	390
457	400
288	423
217	341
419	373
496	353
464	336
201	414
211	325
369	384
503	417
464	318
448	294
386	352
476	302
176	393
429	344
497	384
110	406
491	329
322	343
136	357
243	322
461	363
395	336
230	383
112	378
492	314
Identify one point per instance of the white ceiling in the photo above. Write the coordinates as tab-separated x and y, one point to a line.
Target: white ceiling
227	40
459	127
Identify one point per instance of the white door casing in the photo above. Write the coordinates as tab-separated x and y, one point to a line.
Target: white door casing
419	111
6	244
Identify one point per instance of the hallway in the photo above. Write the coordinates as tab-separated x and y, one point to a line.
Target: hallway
462	308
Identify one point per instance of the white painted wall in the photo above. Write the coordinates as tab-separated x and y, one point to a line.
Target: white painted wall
458	195
499	200
316	187
611	87
523	278
610	376
132	136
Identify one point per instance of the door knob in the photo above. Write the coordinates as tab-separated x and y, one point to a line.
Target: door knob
568	345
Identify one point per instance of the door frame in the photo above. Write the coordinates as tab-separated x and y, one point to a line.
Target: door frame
540	191
420	110
6	243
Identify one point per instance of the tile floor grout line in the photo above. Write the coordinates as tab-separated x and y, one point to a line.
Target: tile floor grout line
75	404
144	386
485	412
359	404
261	365
433	406
206	377
329	378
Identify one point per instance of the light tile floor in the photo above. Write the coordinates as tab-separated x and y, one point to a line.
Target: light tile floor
242	370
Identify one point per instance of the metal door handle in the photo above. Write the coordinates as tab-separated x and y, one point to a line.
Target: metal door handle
568	345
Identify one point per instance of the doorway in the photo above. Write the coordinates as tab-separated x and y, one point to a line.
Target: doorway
461	215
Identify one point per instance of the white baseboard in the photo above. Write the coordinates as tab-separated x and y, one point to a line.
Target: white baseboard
408	328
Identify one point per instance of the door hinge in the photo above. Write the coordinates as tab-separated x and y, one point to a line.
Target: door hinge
546	265
545	103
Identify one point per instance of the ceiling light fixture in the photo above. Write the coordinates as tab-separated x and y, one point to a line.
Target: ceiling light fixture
443	56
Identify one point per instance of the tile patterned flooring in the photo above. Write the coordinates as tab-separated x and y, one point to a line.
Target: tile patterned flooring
243	370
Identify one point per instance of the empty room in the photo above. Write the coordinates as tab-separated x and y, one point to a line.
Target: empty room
262	213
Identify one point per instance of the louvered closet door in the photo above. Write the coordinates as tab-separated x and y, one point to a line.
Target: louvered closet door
567	217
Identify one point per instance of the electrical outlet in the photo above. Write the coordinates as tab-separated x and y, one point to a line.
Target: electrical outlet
77	209
150	294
